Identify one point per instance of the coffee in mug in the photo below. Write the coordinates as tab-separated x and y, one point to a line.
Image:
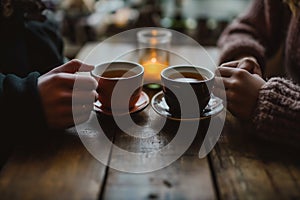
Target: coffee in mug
187	89
190	77
118	73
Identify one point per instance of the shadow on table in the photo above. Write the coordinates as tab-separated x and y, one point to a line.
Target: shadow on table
242	140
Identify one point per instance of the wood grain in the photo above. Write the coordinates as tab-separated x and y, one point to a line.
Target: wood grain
187	178
55	166
247	167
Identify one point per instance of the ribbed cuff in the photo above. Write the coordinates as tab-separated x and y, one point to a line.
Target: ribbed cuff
277	114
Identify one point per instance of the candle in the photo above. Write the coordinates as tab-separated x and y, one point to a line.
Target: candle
153	53
152	69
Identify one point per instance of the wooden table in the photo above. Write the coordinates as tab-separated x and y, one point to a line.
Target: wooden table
58	166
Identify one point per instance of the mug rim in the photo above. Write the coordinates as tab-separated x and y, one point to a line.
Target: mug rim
118	78
188	66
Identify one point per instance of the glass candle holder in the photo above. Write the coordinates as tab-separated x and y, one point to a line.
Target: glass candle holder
154	45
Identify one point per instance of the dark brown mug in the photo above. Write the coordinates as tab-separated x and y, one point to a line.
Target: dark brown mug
187	89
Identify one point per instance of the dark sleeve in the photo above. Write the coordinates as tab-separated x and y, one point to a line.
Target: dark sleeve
21	109
44	45
259	32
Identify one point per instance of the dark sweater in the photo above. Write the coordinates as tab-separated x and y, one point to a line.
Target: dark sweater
267	25
20	103
25	46
22	117
29	45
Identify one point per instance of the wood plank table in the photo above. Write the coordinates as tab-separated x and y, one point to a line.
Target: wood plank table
241	166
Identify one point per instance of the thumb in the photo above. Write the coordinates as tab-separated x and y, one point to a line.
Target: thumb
74	66
246	65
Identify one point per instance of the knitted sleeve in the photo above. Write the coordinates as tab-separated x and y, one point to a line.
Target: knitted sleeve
259	32
277	116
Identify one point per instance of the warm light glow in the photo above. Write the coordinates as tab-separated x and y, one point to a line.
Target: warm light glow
153	60
152	69
154	32
153	64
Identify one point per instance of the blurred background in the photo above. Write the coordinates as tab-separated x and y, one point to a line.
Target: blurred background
82	21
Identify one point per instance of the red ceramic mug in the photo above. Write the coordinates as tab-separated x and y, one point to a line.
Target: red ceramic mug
119	84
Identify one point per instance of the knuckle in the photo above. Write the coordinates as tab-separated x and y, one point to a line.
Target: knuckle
59	77
233	83
75	62
56	78
249	60
240	73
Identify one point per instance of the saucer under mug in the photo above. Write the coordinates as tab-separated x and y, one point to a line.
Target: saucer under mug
142	103
159	105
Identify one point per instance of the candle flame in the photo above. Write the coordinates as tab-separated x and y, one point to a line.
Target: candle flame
153	60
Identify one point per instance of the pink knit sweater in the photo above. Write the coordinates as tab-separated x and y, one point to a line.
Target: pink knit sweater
260	32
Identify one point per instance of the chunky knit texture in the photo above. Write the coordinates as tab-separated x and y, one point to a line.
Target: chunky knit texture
277	116
260	32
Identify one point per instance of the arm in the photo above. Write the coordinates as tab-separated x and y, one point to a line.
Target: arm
254	33
30	38
277	112
37	102
20	102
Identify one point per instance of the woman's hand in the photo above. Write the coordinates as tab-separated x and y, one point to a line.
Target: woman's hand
241	89
247	63
59	100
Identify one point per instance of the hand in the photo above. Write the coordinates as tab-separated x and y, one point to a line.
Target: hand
241	89
248	63
57	94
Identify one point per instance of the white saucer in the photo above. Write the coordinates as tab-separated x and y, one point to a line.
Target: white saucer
159	105
142	103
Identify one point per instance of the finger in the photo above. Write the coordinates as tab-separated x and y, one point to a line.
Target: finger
74	66
83	109
217	72
85	82
84	97
226	71
250	59
251	65
72	97
230	64
247	64
227	96
77	81
232	103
